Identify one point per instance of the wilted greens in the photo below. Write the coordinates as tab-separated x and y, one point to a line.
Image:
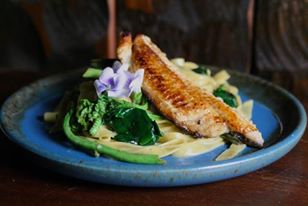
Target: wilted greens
202	70
227	97
97	148
233	137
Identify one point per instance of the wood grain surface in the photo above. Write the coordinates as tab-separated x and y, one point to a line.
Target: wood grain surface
260	35
281	36
205	31
22	182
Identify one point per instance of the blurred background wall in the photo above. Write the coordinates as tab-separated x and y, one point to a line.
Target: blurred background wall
246	35
51	34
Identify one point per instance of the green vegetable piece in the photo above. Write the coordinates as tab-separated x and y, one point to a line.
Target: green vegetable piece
227	97
96	63
142	104
154	117
92	73
125	104
202	70
133	125
138	98
96	148
233	137
138	101
90	114
95	127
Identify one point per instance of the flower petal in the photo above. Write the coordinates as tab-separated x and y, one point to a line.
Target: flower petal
99	87
139	74
118	81
116	66
121	80
135	85
106	76
118	93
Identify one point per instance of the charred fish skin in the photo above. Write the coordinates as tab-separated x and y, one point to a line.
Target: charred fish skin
189	107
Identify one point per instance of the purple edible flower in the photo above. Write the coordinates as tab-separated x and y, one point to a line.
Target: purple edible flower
118	81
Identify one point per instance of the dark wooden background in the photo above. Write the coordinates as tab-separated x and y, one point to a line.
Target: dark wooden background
205	31
264	37
281	39
245	35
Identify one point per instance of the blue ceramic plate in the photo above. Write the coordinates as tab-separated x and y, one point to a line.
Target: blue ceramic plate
278	114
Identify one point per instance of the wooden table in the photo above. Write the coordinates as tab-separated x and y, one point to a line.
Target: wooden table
285	182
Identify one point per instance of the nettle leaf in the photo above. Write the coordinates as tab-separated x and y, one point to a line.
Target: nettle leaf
202	70
227	97
133	125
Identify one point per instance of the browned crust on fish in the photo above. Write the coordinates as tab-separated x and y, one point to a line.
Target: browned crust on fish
178	99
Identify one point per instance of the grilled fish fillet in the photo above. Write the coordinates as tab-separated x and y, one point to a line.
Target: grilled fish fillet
178	99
